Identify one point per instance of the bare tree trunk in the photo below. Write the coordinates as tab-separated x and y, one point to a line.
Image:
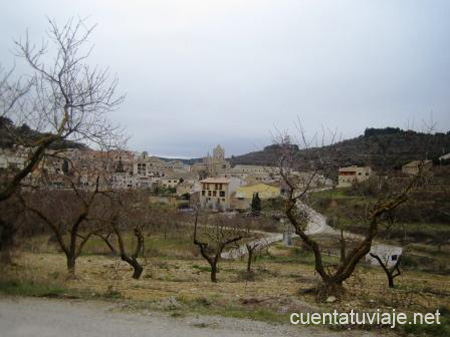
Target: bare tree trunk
71	260
250	250
214	272
249	261
213	259
390	281
137	271
391	273
137	268
7	232
131	260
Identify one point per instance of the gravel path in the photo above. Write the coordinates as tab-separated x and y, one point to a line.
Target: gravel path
317	224
38	317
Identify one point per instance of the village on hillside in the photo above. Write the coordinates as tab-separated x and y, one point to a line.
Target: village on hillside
212	183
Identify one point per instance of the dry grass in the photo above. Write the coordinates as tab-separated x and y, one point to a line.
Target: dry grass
279	277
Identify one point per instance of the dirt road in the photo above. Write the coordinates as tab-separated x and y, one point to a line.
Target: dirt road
37	317
317	224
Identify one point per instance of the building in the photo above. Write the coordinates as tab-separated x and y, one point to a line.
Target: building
413	167
123	180
255	169
173	179
255	173
242	199
176	165
148	166
444	158
188	187
214	165
389	255
215	193
347	176
14	158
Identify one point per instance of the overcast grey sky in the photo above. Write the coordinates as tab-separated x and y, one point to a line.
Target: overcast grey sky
202	72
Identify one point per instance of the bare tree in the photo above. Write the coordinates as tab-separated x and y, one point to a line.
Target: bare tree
60	100
66	212
215	238
132	259
128	210
63	99
11	221
251	247
298	195
121	212
391	272
256	240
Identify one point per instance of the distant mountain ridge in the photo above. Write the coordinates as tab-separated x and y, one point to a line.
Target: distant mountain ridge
385	148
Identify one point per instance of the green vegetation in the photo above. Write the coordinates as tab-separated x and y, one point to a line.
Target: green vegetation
29	288
163	191
205	306
256	204
435	330
271	205
416	226
169	242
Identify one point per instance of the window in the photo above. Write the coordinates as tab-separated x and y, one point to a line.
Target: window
220	186
222	193
394	257
203	193
209	193
216	186
223	199
214	193
141	169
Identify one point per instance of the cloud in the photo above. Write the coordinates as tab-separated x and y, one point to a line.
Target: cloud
200	72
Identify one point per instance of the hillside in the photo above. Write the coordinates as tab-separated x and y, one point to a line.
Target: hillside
387	148
9	133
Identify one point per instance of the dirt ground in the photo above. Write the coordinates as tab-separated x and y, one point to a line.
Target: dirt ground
278	284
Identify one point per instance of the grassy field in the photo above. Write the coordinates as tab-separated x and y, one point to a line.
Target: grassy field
179	282
426	244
